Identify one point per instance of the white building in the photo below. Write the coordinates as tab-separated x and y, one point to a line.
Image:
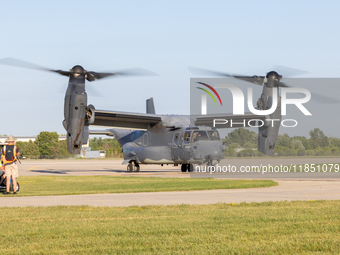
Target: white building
25	138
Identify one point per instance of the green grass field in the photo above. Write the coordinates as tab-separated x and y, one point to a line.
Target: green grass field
256	228
69	185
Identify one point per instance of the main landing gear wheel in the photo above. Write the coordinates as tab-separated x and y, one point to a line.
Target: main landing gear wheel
130	167
136	168
187	167
133	167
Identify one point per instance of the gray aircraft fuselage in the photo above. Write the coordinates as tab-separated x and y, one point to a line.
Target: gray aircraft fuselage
162	144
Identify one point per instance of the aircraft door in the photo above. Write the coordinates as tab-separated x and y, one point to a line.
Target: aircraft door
186	146
145	139
175	151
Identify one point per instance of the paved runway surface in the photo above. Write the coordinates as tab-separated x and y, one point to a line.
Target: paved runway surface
289	189
115	167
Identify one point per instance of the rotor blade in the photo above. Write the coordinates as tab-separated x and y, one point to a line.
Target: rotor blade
93	76
24	64
92	92
21	63
288	71
280	84
324	99
200	71
258	80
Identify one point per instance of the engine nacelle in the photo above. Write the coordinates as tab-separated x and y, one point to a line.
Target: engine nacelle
269	132
76	122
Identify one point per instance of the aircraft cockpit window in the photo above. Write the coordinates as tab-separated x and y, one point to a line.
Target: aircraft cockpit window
199	136
186	136
213	135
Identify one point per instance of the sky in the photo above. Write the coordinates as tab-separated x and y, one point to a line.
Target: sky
165	37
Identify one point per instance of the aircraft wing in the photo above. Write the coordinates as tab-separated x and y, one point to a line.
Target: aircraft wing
227	120
101	132
124	119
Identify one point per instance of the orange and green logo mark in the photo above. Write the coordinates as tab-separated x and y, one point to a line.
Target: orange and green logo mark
209	93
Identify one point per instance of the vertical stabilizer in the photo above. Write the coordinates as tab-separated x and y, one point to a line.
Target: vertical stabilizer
150	107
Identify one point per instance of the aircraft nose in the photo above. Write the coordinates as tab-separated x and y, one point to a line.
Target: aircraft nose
216	153
209	151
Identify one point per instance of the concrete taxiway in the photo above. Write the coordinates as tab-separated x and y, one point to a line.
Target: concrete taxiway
291	188
115	167
286	191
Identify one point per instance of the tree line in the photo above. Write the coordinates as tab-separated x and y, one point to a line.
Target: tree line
318	144
109	145
240	143
47	145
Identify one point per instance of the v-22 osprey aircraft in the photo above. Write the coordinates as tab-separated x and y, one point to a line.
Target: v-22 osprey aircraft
150	138
186	139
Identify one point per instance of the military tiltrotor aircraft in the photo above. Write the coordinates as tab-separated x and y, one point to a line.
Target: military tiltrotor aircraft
183	139
150	138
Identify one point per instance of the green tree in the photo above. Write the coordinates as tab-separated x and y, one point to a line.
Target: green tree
335	142
284	141
242	136
297	144
62	149
20	145
305	141
230	151
30	150
318	138
47	143
97	144
249	145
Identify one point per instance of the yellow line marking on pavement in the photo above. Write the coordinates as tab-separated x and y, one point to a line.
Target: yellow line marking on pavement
156	173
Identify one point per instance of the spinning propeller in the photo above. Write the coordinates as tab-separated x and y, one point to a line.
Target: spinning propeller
76	70
271	78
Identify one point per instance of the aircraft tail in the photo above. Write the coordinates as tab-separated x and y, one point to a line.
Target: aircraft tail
150	107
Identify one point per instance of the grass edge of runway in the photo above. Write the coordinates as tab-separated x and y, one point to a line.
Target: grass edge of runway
79	185
266	228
